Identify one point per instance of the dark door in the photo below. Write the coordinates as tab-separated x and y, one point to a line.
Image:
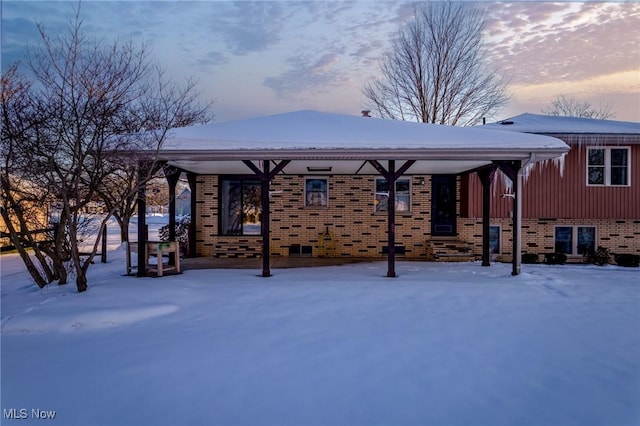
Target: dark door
443	205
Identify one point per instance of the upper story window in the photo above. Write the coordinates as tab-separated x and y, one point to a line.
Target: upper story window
403	195
240	207
608	166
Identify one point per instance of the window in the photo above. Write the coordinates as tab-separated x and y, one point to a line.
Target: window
494	239
575	239
240	207
403	195
316	192
608	166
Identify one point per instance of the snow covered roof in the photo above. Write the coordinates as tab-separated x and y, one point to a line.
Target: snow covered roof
312	135
548	124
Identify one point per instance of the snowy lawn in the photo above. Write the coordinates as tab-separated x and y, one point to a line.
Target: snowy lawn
442	344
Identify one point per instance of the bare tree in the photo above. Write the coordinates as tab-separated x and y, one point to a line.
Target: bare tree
85	102
571	107
434	71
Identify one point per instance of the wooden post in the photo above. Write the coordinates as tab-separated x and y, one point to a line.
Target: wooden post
391	176
265	220
265	175
391	220
486	177
173	176
143	169
191	178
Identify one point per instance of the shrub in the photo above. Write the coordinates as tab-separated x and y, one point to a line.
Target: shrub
555	258
529	258
182	233
628	260
599	257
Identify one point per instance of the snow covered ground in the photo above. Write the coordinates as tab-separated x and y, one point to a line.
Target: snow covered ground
442	344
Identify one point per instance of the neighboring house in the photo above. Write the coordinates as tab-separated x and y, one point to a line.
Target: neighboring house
36	214
331	178
589	199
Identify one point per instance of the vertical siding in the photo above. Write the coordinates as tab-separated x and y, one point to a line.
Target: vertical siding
548	194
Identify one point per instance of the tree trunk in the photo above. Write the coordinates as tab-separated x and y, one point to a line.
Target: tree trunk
124	228
33	271
81	280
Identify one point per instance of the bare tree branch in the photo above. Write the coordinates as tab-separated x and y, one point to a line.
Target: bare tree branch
571	107
434	71
86	101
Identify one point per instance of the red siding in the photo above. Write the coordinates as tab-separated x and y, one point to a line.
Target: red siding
547	194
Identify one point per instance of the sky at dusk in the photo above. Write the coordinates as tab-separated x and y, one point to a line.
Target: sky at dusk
264	57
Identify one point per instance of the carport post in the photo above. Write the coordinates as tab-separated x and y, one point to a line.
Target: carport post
391	220
172	175
265	177
391	176
143	170
193	183
486	177
265	220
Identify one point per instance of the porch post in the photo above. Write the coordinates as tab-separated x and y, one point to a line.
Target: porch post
391	176
391	220
265	175
143	169
265	220
172	175
486	177
191	178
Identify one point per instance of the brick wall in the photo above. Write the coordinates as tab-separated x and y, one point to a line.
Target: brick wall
358	231
538	235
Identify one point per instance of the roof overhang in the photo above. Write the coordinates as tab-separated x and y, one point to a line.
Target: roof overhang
321	143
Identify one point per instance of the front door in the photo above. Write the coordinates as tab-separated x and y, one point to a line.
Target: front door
443	205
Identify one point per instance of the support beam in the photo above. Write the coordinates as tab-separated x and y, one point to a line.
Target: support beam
391	175
143	173
265	175
265	220
486	177
192	179
172	175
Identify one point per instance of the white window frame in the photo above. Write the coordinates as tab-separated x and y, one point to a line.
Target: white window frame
310	206
607	165
375	184
574	237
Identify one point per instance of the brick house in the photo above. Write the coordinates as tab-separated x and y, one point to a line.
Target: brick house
592	199
318	184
